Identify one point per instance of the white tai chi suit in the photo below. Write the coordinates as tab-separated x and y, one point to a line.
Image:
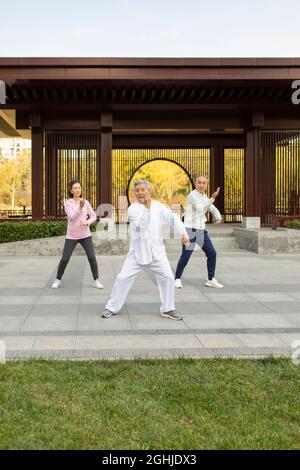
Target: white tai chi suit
147	249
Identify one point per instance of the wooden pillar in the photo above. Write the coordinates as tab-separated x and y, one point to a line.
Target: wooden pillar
51	178
268	179
252	174
217	175
253	179
104	161
37	167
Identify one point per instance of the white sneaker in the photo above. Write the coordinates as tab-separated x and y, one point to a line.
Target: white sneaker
98	284
107	313
172	314
178	284
213	283
56	284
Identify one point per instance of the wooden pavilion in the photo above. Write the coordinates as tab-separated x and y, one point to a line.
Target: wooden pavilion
99	119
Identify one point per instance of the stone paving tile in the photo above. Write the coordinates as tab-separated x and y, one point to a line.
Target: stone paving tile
155	322
21	292
283	307
139	298
97	342
293	318
138	342
54	309
221	341
94	296
19	309
262	320
261	295
61	299
289	338
190	294
11	322
50	323
54	342
96	323
194	308
145	308
228	296
90	309
210	321
272	287
246	307
261	341
271	297
18	342
179	341
63	291
25	283
295	295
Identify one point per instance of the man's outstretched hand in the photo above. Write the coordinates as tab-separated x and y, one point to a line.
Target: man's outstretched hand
216	193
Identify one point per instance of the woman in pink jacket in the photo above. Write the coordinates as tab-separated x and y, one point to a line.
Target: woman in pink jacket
80	217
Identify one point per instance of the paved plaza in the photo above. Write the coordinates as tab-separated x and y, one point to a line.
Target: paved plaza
256	314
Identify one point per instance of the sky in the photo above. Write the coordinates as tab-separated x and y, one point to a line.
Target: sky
150	28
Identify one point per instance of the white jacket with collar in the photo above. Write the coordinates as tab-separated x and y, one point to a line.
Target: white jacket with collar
146	230
197	204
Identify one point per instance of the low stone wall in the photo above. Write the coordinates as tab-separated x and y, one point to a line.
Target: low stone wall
53	247
259	241
268	241
110	244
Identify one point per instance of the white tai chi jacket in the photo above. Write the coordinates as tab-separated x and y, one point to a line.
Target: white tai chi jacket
196	206
146	230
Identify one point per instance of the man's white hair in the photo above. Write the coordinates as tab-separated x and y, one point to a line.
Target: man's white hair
146	183
201	176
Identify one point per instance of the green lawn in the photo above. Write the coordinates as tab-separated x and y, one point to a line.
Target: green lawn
150	404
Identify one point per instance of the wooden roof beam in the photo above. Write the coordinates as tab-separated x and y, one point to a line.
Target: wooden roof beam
172	94
26	94
143	95
7	126
182	94
200	95
15	93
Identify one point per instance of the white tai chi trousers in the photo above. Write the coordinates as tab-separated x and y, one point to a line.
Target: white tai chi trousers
126	277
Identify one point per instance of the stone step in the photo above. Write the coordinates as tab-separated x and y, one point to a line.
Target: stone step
226	243
53	246
246	342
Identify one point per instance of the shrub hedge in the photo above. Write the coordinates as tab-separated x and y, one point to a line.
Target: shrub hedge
17	231
293	224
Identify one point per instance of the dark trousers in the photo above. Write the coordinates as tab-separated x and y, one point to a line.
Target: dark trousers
87	244
202	239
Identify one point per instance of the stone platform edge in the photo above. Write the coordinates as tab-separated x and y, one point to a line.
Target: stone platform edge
268	241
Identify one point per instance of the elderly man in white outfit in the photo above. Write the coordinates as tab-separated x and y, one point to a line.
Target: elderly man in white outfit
194	220
147	219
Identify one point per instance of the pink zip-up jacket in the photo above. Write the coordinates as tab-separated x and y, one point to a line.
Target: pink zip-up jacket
77	215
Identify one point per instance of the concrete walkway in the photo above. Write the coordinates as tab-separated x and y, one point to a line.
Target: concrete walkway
256	314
